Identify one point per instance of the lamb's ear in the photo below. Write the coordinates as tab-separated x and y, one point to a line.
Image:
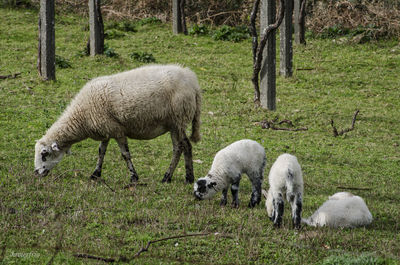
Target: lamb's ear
44	152
212	184
265	193
68	151
54	147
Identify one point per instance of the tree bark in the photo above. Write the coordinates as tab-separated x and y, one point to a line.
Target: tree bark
47	45
286	44
96	25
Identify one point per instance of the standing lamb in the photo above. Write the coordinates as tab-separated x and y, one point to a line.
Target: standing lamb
285	175
141	104
244	156
343	209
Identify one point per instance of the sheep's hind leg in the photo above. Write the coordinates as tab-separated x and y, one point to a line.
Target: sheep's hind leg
123	146
176	154
278	210
256	182
235	193
186	146
224	199
102	151
296	203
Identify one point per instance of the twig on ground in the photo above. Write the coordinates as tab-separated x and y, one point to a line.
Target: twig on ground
103	181
12	76
337	133
272	125
133	185
87	256
146	248
65	172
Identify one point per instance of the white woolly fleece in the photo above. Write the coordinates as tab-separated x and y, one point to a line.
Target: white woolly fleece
343	209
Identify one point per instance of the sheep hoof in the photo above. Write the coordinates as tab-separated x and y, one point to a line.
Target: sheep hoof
134	178
223	203
167	178
189	180
235	205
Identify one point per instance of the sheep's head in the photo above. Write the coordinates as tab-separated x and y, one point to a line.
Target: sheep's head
269	203
205	188
341	195
46	157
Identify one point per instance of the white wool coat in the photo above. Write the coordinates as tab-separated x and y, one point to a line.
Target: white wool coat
343	209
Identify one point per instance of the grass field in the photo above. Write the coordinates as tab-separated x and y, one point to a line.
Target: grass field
50	220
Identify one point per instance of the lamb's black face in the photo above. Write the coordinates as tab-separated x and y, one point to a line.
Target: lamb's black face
204	188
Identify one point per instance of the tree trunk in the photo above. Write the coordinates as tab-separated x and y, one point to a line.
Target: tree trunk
268	71
176	17
96	25
46	47
299	21
286	44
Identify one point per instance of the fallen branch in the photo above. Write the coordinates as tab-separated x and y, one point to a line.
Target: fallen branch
143	249
337	133
272	125
102	181
12	76
168	238
133	185
87	256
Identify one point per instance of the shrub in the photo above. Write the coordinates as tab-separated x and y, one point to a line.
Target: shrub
234	34
109	52
199	30
62	63
143	57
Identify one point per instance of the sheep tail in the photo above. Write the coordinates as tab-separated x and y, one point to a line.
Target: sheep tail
195	137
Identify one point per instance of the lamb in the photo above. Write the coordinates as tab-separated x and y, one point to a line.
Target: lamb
142	103
244	156
285	176
343	209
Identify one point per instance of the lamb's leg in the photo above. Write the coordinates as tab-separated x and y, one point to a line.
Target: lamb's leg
296	203
278	210
256	181
123	146
102	151
176	154
235	192
186	146
224	199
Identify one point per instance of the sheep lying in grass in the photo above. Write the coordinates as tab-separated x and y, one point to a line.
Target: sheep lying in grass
343	209
141	104
244	156
285	176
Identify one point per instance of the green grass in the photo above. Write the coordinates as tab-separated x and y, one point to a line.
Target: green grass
67	210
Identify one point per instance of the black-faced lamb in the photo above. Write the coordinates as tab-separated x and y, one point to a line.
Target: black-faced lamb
343	209
285	176
143	104
244	156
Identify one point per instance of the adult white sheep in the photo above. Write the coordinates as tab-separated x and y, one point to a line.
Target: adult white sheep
343	209
244	156
285	176
141	104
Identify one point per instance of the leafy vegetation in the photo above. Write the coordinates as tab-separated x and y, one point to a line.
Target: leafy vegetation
143	57
228	33
66	213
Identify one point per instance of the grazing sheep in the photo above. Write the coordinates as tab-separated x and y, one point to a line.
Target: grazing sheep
244	156
141	104
285	176
343	209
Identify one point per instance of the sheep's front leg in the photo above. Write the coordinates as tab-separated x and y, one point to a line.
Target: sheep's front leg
176	154
278	210
235	192
224	199
186	146
296	203
102	152
123	146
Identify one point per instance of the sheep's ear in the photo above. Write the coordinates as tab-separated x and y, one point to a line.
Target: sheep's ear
212	184
44	152
54	147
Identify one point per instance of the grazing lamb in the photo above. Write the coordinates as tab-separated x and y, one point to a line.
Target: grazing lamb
141	104
285	176
343	209
244	156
